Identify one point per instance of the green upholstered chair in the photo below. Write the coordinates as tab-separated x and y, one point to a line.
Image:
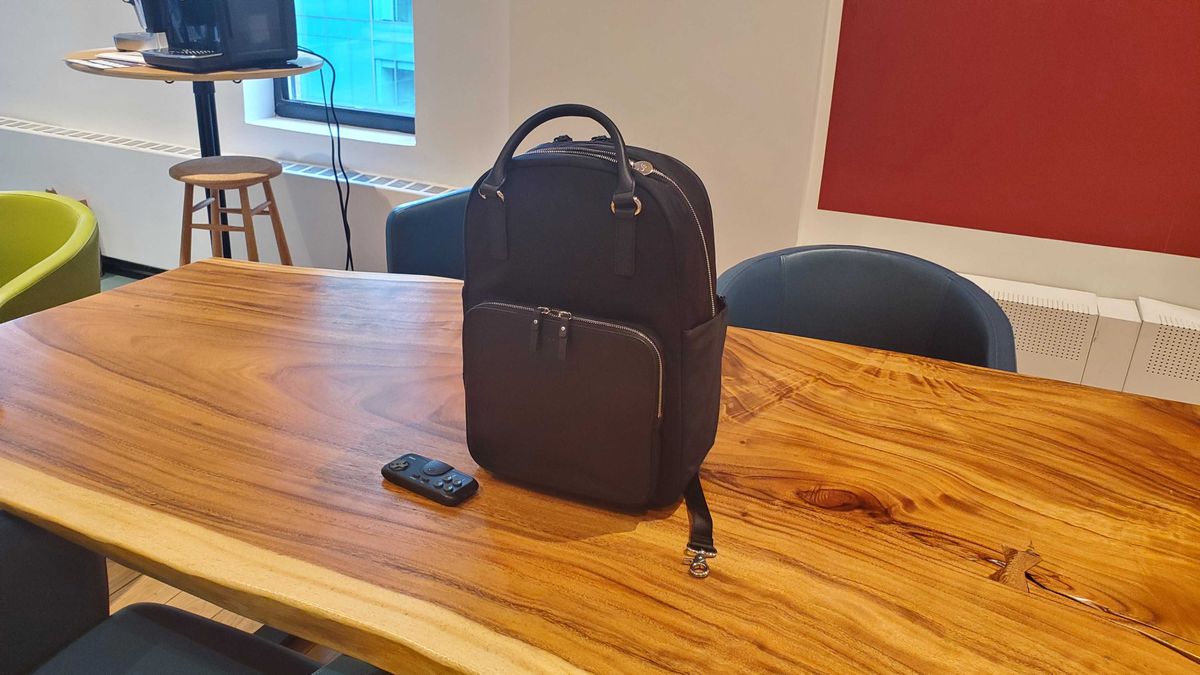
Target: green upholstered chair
49	252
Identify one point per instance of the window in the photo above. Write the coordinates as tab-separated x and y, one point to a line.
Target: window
370	42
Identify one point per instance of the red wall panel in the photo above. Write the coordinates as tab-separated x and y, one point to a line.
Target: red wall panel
1067	119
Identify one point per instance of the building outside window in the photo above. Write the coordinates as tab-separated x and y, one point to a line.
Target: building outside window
370	42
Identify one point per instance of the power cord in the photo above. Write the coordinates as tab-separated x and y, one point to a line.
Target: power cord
335	151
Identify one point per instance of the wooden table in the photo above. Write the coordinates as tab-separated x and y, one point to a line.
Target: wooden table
203	91
222	426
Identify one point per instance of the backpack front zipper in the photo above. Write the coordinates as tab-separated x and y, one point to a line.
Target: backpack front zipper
568	317
647	169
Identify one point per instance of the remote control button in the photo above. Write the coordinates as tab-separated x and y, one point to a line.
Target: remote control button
449	487
437	483
435	468
458	481
424	480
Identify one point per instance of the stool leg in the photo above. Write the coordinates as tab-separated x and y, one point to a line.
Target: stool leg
185	238
248	224
214	221
285	255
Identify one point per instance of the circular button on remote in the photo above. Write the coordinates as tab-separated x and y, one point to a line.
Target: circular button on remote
437	483
435	468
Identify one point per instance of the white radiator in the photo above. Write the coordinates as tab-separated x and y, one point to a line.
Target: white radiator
1117	329
1166	361
1146	347
1053	327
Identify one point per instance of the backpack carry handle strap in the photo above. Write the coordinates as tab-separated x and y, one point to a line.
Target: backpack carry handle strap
700	537
623	199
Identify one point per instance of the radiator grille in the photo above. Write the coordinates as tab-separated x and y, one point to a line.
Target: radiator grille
1047	328
1176	350
300	169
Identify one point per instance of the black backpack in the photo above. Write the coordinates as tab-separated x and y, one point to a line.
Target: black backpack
593	334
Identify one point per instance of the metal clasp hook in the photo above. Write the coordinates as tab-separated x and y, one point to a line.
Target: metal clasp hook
697	561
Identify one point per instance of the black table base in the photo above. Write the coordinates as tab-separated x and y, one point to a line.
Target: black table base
210	142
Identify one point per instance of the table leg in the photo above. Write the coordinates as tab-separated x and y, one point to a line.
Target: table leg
210	142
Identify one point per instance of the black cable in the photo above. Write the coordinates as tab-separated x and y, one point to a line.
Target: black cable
339	168
335	151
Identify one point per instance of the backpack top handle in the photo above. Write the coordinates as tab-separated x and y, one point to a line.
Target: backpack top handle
623	198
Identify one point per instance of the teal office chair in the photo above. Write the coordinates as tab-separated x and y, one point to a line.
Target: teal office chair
873	298
426	236
49	252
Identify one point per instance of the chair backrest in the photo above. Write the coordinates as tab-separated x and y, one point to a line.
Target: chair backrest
426	236
873	298
49	252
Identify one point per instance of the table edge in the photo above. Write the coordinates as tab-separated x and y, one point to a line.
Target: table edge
228	570
151	73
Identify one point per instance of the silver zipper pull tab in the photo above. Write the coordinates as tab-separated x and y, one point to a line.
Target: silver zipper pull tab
643	167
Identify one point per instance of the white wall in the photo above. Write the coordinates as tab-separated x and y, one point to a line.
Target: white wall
730	92
1103	270
729	88
139	208
462	90
462	109
739	91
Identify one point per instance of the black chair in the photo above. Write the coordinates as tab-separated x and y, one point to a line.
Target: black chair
873	298
426	236
54	621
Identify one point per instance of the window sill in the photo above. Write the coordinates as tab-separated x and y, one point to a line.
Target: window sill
350	133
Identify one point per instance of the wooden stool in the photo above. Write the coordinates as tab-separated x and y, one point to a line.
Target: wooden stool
216	174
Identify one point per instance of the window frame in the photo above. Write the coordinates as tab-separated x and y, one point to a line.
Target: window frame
285	106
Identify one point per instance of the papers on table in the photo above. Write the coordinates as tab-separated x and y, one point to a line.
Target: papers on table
134	58
109	60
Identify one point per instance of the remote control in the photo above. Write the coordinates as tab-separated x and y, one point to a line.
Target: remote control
430	478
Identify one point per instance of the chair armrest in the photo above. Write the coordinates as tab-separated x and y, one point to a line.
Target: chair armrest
51	593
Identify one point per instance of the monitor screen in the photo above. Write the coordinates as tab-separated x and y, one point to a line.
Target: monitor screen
193	24
243	29
256	25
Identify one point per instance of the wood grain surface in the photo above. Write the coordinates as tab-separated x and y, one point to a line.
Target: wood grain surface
305	63
221	427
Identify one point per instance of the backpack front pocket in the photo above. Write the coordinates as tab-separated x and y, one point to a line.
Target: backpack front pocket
570	403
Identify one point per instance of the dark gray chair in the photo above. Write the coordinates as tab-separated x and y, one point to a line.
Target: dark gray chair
426	236
54	621
873	298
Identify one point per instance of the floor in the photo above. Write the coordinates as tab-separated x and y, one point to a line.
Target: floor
111	281
127	587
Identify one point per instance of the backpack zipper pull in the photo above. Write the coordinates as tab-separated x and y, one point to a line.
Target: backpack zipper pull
563	332
535	328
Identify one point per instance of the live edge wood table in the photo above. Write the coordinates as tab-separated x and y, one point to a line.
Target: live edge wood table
221	427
